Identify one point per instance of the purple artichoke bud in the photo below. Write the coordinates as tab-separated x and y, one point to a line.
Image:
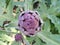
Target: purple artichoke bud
18	37
29	22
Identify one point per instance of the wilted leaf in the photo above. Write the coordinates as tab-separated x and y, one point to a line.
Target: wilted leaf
5	37
2	43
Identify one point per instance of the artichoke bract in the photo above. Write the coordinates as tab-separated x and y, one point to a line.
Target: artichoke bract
30	22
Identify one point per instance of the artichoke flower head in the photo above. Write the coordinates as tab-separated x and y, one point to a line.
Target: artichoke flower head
30	22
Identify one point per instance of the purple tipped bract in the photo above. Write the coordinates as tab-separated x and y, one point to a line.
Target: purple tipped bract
29	22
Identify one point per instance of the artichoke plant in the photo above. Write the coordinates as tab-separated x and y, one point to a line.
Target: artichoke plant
18	37
29	22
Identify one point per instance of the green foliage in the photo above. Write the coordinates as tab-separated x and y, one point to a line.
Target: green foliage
49	11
